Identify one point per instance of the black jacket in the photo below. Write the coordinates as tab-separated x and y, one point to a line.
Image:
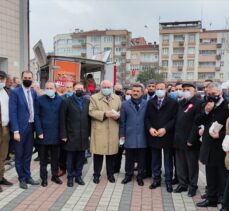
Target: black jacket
75	124
163	118
211	151
186	129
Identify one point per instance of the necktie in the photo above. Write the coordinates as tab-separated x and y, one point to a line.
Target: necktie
159	104
29	105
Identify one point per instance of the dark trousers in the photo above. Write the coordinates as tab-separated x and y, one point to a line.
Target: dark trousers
62	158
118	159
226	195
98	163
187	167
23	153
175	164
156	165
44	156
133	155
148	163
75	162
216	181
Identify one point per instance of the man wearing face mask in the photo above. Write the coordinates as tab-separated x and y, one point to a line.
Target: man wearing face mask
69	90
47	128
151	90
118	90
21	109
4	127
159	121
179	91
211	152
186	141
75	132
104	110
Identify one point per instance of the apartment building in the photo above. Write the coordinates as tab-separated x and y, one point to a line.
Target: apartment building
14	36
190	53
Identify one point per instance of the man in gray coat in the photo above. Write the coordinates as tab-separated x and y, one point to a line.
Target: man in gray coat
132	132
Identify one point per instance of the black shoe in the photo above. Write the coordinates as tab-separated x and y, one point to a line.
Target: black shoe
191	192
111	179
126	180
206	203
4	181
57	180
70	182
180	189
204	196
1	189
32	182
96	180
23	185
79	181
44	183
175	181
169	188
155	185
140	182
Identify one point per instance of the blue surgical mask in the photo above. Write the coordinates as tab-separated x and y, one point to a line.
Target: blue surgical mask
173	95
69	94
106	91
2	85
50	93
128	97
160	93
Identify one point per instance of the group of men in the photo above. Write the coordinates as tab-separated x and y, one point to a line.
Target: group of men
145	123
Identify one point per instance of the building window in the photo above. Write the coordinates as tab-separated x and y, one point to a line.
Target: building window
190	76
165	63
178	63
177	75
133	56
178	38
146	57
191	50
165	51
107	49
221	76
178	50
191	38
221	64
207	52
190	63
118	49
108	39
165	38
95	39
206	64
203	76
118	39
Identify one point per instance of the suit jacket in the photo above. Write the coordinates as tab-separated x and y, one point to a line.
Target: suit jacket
163	118
19	110
132	125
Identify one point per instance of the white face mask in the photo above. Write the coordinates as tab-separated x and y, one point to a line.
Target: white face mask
180	93
50	93
160	93
128	97
2	85
187	95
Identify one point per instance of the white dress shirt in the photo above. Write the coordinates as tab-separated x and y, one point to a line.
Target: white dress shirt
4	102
31	97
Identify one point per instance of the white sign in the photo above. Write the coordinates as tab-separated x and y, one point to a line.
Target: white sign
102	56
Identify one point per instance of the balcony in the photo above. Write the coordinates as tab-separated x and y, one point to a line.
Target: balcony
123	53
218	57
165	43
206	47
180	56
219	45
181	43
177	56
207	58
123	43
179	68
83	44
206	69
83	54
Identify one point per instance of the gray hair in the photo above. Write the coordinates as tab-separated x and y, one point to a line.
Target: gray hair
215	85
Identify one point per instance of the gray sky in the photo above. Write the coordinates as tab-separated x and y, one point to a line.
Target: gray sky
51	17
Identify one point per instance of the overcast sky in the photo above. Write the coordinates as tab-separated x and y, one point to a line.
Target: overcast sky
51	17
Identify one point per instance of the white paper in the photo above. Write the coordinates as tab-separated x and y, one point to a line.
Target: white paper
216	127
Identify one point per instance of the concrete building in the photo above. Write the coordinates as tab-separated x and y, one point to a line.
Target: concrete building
140	58
14	36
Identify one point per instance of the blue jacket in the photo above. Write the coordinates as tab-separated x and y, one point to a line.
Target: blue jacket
132	125
19	110
47	112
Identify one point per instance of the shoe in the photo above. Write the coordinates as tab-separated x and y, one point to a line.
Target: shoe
4	181
1	189
180	189
126	180
23	185
31	181
191	192
44	183
169	188
70	182
61	173
204	196
155	185
57	180
206	203
140	182
96	180
79	181
175	181
37	159
111	179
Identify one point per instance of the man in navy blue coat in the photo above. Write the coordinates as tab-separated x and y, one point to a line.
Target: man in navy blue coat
132	132
47	128
21	109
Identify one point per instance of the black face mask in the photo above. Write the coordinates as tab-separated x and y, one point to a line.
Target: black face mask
118	92
79	93
212	98
27	83
151	93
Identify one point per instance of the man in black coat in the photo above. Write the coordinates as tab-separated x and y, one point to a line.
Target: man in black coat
211	153
159	122
186	141
75	131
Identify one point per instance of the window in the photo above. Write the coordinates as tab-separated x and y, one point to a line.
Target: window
118	39
206	64
147	57
133	56
191	38
178	38
223	40
178	50
207	52
221	64
107	49
221	76
95	39
118	49
164	63
190	76
190	63
191	50
176	75
178	63
165	51
108	39
204	76
165	38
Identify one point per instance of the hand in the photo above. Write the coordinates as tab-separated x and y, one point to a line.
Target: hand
214	134
201	131
209	107
189	144
115	117
161	132
153	132
109	114
41	136
17	137
64	139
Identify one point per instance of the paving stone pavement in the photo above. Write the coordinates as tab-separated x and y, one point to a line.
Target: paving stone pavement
101	197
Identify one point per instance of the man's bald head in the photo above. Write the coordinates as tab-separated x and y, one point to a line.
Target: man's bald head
105	84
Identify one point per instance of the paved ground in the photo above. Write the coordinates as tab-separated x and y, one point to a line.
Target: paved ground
104	196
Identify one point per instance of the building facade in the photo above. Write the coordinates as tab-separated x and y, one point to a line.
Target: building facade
14	36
